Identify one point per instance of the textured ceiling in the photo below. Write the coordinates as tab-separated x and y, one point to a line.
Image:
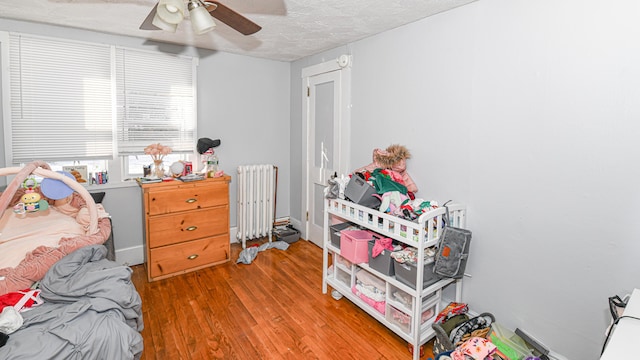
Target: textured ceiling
291	29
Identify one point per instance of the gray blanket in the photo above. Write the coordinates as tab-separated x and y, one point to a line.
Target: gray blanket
91	311
249	254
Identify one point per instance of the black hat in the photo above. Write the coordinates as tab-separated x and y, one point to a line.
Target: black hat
205	144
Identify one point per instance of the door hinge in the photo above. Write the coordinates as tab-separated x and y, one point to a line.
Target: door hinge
308	91
307	216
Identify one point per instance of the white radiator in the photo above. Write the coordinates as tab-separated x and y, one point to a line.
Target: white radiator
255	202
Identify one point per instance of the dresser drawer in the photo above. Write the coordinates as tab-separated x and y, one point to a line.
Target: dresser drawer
171	229
187	197
172	259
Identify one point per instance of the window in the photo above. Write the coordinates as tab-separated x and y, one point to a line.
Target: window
60	106
93	167
155	101
98	105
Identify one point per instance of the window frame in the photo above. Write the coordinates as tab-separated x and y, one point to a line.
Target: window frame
118	168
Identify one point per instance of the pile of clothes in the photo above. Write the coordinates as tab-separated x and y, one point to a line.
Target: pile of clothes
461	337
393	185
371	290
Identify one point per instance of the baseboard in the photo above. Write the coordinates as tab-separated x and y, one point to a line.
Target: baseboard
130	256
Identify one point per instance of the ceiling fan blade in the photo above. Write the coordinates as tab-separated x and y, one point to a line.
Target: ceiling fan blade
232	18
146	24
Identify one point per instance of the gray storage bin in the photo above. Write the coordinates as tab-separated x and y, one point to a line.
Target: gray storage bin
335	232
406	273
288	235
382	263
360	192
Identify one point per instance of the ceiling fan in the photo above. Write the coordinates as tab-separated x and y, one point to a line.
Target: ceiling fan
167	14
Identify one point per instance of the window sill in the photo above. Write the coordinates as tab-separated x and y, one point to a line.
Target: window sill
112	185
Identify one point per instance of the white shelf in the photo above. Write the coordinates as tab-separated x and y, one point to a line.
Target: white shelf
409	232
420	234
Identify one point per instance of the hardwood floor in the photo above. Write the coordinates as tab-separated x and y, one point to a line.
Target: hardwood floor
271	309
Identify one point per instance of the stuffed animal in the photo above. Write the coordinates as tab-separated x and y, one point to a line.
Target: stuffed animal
31	200
76	174
393	158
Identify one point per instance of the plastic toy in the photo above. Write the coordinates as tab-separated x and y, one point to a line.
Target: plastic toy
31	201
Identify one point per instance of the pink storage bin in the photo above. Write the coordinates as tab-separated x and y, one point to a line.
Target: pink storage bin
354	245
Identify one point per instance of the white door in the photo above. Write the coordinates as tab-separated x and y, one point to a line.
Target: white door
327	130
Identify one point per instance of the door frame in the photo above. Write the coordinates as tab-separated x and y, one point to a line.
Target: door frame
342	132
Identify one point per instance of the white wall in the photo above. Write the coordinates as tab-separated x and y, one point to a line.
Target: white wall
243	101
527	111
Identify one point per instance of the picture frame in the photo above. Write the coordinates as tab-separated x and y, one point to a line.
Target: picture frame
79	172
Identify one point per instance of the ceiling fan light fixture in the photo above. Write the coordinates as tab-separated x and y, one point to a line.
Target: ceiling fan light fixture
160	23
201	20
171	11
167	14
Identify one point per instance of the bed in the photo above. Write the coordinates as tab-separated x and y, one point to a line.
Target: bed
87	307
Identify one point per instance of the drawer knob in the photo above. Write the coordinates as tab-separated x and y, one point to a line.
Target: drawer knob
191	201
192	257
191	228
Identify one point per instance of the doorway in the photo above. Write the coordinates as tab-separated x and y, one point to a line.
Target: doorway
326	105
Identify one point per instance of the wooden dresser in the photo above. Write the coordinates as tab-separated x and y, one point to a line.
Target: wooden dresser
186	225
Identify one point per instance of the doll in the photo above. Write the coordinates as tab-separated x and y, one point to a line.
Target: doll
393	158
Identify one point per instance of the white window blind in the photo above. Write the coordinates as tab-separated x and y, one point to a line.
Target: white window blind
155	101
61	100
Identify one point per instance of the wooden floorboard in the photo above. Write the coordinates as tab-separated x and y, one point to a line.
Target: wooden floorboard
273	308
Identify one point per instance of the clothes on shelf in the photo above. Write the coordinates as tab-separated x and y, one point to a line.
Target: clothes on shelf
370	289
